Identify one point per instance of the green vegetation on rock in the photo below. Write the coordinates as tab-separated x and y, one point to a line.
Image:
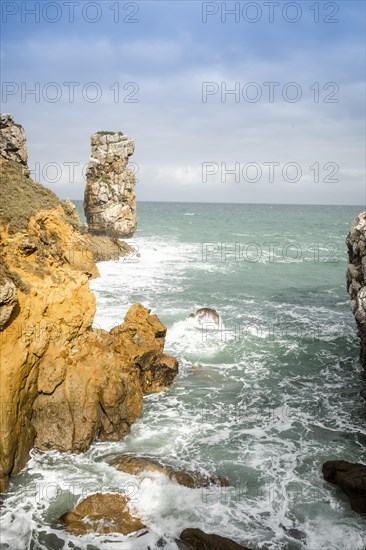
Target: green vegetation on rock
21	198
105	133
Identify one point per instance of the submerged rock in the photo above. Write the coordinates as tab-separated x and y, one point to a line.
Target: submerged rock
135	465
102	514
195	539
109	199
351	478
206	314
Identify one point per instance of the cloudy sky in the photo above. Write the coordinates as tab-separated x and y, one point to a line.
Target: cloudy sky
291	130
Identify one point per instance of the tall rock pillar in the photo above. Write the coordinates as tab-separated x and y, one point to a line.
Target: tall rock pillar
109	199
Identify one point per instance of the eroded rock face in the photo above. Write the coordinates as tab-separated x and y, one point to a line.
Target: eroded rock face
63	384
102	513
142	337
356	277
109	200
351	478
13	143
55	309
135	465
195	539
94	389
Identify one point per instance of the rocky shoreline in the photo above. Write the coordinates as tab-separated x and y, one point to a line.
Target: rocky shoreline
65	384
356	278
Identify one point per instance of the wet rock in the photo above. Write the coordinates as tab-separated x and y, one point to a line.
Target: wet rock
135	465
194	479
205	314
195	539
142	337
294	533
102	514
351	478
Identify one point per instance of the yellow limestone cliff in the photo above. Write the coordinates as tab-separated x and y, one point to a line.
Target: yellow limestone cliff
63	384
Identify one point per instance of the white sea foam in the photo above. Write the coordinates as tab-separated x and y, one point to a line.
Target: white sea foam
265	410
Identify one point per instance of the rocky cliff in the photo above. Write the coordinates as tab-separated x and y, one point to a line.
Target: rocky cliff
13	144
62	383
356	277
109	200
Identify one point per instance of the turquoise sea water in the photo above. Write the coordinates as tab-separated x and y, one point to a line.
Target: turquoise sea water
264	399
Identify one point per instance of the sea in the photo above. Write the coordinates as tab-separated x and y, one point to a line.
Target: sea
263	398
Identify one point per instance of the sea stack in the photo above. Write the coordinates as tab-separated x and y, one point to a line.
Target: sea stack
109	199
356	277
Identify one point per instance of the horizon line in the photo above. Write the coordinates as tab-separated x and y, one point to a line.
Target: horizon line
243	203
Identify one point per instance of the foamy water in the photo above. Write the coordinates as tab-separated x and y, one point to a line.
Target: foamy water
263	399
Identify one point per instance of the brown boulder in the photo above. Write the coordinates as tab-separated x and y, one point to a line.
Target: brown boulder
194	479
351	478
102	514
195	539
135	465
140	340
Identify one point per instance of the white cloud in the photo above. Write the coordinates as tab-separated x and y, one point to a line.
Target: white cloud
175	132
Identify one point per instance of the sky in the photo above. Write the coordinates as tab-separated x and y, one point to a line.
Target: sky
240	102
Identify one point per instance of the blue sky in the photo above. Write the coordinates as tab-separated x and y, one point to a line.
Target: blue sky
159	65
